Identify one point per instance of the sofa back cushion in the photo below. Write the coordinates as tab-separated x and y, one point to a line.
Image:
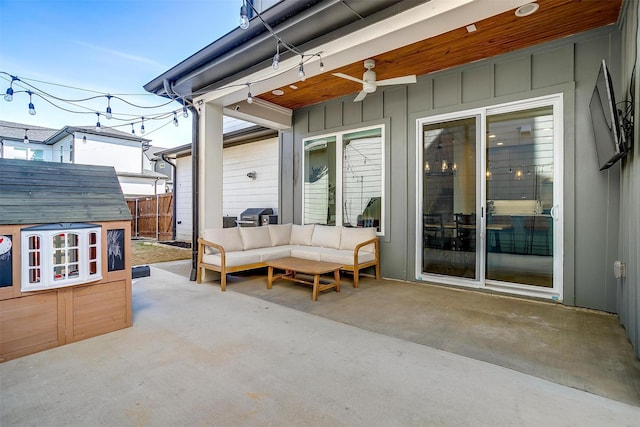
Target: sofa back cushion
255	237
280	234
301	234
352	236
228	238
326	236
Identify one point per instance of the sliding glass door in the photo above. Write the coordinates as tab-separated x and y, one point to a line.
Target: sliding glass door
489	192
449	198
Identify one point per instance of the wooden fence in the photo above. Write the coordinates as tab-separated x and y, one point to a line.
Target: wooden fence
152	216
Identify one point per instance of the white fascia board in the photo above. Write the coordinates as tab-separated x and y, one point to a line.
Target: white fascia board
419	23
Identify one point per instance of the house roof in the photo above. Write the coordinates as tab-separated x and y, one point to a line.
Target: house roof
49	136
403	37
47	192
15	131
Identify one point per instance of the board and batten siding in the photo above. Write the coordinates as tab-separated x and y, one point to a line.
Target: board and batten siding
182	190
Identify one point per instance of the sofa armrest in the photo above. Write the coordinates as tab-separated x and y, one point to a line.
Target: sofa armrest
202	243
361	245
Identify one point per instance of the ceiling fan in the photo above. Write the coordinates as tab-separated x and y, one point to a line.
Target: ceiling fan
369	83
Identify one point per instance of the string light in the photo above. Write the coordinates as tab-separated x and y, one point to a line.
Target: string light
32	108
98	127
142	126
301	74
84	139
249	97
244	16
276	57
26	138
175	120
9	94
133	131
185	112
108	115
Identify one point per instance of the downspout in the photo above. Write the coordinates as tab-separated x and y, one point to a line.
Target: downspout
195	143
175	177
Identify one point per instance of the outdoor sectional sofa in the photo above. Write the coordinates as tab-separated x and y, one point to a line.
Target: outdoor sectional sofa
228	250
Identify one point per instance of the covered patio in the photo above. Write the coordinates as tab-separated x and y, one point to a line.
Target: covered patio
365	356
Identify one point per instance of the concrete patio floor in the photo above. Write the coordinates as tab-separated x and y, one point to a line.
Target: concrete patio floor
362	357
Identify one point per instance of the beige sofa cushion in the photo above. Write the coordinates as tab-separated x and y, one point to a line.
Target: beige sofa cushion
326	236
301	234
280	234
352	236
228	238
255	237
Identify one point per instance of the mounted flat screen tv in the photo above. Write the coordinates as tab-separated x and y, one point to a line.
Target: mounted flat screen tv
609	137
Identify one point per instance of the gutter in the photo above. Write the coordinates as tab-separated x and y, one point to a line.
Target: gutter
195	195
175	177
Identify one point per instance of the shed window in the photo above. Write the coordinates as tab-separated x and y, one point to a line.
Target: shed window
60	255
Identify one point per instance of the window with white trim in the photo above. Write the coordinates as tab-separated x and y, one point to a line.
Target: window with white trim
344	179
57	255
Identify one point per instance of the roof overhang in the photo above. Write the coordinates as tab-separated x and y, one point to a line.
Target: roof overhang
400	35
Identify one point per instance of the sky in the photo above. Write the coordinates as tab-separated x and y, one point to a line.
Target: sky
103	47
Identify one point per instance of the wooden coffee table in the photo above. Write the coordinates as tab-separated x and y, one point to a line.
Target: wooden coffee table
292	265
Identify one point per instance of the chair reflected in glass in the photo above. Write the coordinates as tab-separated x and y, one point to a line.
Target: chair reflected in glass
465	238
433	231
538	230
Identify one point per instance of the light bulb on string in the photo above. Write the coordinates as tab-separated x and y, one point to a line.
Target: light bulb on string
244	17
9	94
84	139
32	108
175	120
142	126
98	127
301	74
276	57
185	112
133	131
26	138
108	115
249	97
321	64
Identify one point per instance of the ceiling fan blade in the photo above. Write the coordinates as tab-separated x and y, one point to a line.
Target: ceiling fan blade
397	81
348	77
360	96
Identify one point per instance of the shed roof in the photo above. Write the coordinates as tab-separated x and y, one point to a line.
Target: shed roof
47	192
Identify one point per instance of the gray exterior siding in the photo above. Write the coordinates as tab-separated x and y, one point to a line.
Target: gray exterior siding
46	193
591	201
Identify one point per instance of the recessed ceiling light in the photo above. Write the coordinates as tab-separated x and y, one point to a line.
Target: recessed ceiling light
527	9
492	136
294	87
499	143
471	28
277	92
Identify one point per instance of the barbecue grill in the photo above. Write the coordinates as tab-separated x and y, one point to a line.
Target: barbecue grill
251	217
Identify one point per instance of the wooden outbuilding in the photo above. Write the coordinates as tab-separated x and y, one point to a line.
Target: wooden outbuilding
65	262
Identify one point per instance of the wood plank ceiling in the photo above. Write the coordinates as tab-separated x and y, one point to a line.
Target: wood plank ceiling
494	36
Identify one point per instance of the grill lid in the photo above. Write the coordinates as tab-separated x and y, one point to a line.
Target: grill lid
256	211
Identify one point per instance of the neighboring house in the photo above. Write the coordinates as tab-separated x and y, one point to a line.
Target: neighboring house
250	176
493	147
83	145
